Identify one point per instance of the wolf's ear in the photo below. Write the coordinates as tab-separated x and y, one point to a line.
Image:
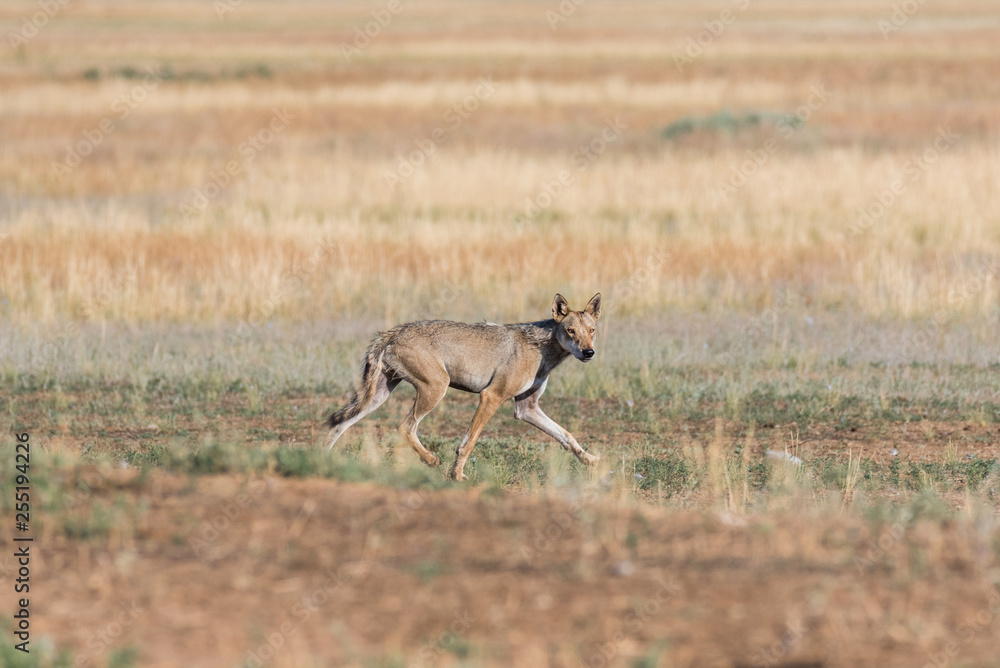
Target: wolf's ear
594	306
560	308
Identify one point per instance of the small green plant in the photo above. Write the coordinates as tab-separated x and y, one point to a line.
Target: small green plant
38	657
94	522
123	658
651	658
149	457
429	569
728	122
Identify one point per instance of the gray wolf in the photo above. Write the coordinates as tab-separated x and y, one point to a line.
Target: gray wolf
498	362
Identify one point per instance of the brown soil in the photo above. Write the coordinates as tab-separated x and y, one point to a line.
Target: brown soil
317	572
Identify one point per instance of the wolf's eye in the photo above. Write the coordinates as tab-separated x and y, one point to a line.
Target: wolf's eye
591	330
570	332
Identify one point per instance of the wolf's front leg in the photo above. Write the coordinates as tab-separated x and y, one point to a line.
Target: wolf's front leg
527	409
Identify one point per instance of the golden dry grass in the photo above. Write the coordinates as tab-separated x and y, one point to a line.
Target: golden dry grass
312	229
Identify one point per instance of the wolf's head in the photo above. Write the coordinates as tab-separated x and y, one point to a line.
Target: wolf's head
577	330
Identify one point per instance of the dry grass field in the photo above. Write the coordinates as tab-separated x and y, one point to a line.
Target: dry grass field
208	208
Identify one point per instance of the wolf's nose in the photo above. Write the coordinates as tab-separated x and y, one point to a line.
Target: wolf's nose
588	353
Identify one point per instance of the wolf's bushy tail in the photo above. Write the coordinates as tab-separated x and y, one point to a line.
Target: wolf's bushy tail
369	380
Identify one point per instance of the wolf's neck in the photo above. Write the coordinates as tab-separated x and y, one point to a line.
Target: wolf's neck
543	334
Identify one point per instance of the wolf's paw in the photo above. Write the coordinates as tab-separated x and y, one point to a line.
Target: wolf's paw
589	459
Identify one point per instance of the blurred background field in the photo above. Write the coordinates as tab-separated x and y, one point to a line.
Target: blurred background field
109	239
207	209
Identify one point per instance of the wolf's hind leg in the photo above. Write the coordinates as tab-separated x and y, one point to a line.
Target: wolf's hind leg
384	387
429	394
489	401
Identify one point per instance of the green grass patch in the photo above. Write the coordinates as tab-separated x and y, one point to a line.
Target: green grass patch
670	474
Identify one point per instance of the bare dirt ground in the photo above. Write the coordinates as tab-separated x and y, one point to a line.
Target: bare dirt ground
610	425
319	572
